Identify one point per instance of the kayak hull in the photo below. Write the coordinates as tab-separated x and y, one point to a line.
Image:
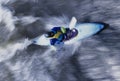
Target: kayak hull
85	30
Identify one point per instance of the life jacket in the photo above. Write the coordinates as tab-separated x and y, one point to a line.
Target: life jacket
59	32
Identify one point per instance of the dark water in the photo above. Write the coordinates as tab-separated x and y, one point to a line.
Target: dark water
94	59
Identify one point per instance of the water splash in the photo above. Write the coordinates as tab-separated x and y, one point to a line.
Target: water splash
7	18
8	50
25	20
56	21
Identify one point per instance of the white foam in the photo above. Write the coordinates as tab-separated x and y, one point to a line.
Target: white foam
56	22
7	18
28	19
9	50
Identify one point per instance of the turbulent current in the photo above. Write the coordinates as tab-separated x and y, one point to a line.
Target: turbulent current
96	58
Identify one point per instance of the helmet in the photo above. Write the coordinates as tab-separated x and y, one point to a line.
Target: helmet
49	34
73	30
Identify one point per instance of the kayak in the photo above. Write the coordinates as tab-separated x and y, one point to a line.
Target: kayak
84	30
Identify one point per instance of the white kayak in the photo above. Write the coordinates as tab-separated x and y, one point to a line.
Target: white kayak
85	30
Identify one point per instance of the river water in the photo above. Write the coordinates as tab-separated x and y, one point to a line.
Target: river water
92	59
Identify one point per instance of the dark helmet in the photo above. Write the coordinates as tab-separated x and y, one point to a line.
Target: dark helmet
74	32
49	34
